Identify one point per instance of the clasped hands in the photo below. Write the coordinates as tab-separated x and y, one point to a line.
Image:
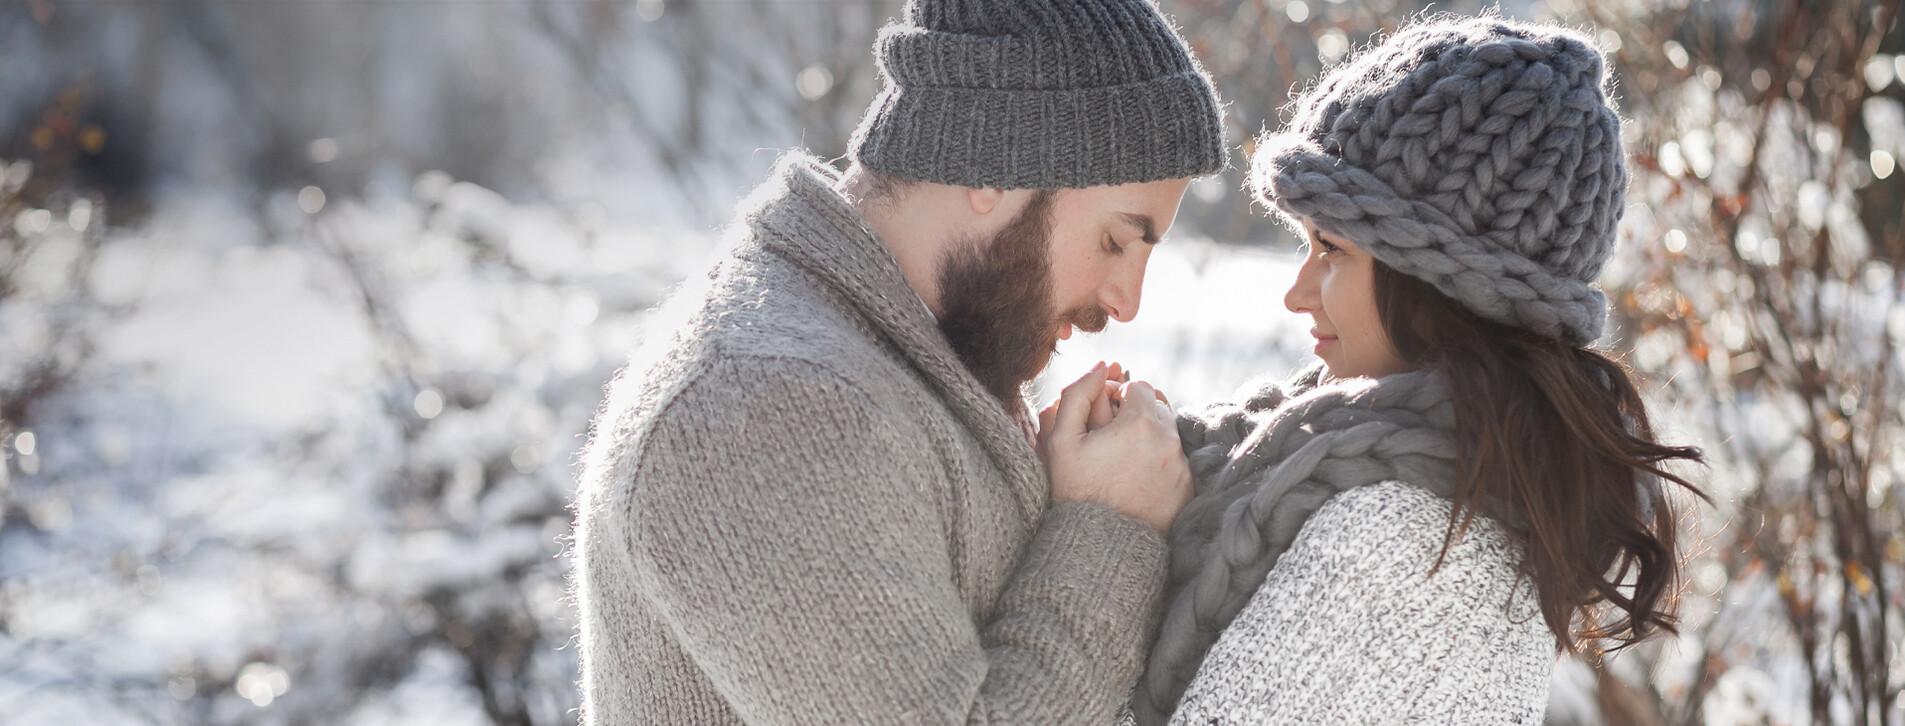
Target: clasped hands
1114	442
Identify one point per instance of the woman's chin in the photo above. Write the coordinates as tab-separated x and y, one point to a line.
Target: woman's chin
1335	372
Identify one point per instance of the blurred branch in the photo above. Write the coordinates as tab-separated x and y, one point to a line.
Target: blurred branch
1810	345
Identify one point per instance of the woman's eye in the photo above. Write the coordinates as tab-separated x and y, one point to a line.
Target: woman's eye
1321	247
1112	246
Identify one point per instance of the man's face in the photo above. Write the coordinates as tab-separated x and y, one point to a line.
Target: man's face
1101	241
1072	259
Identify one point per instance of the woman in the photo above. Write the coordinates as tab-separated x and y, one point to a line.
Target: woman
1410	532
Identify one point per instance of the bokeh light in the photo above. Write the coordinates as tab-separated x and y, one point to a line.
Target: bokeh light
813	82
311	200
428	404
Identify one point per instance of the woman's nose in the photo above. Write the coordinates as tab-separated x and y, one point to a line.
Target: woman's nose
1302	296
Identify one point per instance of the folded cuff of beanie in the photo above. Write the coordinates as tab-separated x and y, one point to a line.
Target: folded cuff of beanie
1303	182
1165	128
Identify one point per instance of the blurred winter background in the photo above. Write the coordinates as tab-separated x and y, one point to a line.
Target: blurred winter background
305	306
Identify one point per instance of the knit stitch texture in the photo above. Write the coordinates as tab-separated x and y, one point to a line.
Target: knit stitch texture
1352	628
1039	94
798	507
1479	155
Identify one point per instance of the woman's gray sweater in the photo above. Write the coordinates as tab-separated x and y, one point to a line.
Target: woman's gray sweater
1351	628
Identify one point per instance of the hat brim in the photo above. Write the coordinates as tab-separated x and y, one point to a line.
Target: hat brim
1302	182
1164	128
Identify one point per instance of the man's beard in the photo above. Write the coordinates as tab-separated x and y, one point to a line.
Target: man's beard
996	305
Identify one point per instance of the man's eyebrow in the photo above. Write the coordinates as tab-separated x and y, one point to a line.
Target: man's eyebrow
1143	223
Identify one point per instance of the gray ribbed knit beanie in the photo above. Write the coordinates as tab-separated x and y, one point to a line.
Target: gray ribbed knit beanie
1038	94
1480	155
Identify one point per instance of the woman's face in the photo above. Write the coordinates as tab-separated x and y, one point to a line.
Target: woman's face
1336	288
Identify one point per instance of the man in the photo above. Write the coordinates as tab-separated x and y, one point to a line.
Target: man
815	498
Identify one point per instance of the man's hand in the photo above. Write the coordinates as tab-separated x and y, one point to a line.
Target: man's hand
1130	461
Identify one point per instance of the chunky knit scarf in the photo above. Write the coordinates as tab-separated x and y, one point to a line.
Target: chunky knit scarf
1262	466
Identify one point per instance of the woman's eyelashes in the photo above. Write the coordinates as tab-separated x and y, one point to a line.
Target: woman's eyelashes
1320	247
1113	247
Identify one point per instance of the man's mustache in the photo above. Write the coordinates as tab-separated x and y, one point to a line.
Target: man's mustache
1089	318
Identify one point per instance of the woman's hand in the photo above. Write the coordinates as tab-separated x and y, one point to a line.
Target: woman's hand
1115	443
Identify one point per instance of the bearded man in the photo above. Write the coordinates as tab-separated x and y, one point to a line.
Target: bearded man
815	497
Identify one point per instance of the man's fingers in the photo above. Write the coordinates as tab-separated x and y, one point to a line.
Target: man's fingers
1136	397
1075	402
1141	400
1166	412
1103	408
1167	416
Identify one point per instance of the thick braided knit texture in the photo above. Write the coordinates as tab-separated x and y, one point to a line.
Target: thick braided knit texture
1039	94
1479	155
1262	467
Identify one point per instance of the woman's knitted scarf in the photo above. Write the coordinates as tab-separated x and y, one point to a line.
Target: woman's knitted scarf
1262	466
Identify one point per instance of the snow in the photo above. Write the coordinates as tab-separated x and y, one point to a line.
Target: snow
428	697
246	327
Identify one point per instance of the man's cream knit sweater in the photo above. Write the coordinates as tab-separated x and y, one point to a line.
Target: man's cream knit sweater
798	507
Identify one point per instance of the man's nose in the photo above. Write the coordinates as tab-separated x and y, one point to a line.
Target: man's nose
1121	294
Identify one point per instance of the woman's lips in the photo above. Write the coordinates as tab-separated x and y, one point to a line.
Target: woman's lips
1322	341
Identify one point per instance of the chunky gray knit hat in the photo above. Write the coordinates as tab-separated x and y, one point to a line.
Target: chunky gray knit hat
1038	94
1479	155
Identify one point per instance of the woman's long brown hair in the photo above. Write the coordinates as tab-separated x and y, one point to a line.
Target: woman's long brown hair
1559	433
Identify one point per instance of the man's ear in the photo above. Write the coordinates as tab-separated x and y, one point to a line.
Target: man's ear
984	200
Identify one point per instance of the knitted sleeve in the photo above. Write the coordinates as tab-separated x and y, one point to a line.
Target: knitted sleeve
811	580
1350	627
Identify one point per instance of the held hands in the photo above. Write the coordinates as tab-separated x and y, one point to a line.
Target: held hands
1115	443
